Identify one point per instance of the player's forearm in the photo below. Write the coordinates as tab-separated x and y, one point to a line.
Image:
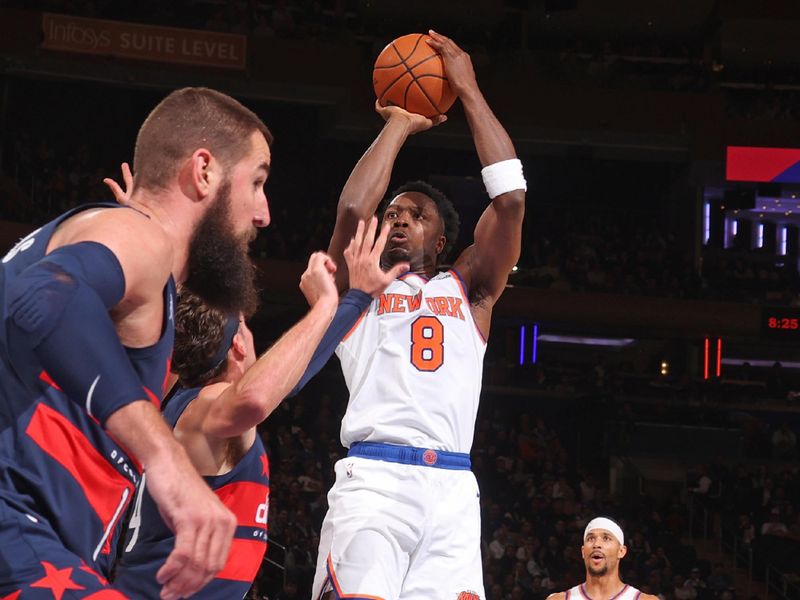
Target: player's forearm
262	388
365	188
370	178
491	139
142	431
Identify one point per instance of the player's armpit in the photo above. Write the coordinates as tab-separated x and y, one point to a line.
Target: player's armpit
487	264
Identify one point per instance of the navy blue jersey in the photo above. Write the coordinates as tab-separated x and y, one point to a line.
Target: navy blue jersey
244	490
57	464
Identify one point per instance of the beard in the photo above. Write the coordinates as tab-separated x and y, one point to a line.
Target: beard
220	270
597	572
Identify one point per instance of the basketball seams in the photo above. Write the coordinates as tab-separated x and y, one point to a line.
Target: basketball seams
431	76
403	63
392	84
410	71
424	60
425	93
405	93
410	54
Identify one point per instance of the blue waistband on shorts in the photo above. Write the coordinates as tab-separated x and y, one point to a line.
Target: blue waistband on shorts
408	455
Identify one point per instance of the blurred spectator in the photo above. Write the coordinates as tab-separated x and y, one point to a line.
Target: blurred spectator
681	590
703	482
784	443
719	580
774	526
695	581
747	531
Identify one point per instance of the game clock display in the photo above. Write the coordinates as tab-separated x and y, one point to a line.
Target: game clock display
782	322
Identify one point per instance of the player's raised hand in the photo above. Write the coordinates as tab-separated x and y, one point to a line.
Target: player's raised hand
457	63
317	282
416	122
363	257
122	195
203	526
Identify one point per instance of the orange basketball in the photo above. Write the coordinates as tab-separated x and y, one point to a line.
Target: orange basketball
410	74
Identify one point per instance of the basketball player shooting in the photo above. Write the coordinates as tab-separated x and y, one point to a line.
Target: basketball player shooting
603	548
404	517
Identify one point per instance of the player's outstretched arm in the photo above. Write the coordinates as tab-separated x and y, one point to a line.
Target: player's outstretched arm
243	405
246	403
485	265
369	179
367	282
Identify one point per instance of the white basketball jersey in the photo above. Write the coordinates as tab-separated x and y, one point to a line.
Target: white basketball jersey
579	593
413	365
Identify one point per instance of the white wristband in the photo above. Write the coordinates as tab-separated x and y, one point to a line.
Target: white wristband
504	176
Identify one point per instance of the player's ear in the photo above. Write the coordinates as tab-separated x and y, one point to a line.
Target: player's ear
198	176
623	550
440	244
238	346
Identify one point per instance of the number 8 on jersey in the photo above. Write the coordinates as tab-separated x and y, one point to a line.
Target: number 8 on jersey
427	343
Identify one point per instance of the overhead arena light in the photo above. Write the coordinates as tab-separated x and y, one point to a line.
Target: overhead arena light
586	341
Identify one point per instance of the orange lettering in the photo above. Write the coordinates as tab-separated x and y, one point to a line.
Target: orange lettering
455	308
414	302
384	306
397	304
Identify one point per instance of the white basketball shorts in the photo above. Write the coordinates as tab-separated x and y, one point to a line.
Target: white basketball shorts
400	532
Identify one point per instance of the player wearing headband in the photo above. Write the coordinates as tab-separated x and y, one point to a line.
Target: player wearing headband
603	548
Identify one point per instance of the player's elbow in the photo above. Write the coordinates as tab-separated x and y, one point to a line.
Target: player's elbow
235	415
351	210
254	405
511	203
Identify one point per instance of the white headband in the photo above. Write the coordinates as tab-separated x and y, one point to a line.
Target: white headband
608	525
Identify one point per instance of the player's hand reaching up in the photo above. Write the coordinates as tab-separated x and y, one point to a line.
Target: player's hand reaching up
457	63
363	257
317	282
122	195
416	122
